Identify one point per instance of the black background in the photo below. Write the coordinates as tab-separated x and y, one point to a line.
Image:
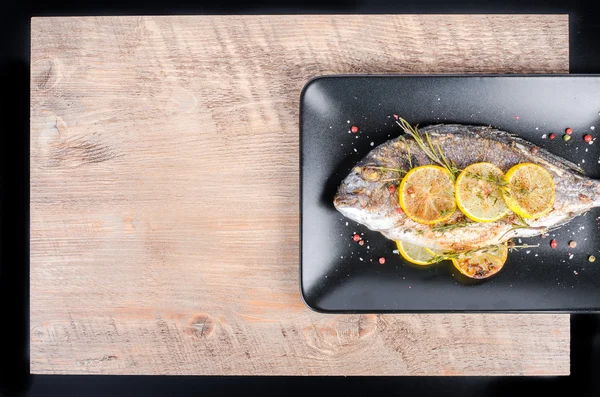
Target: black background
336	276
14	215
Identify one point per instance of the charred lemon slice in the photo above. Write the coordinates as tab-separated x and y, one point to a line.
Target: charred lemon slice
427	194
483	263
415	253
478	192
529	190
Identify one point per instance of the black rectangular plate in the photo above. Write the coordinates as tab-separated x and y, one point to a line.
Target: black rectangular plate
338	275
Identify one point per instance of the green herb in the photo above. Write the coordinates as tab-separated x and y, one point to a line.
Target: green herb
512	248
522	224
390	180
522	221
491	178
451	226
457	254
434	152
400	170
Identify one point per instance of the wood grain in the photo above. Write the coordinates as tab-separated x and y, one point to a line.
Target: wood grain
164	196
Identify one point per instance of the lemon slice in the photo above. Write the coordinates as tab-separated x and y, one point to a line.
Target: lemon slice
479	194
484	263
529	190
415	253
427	194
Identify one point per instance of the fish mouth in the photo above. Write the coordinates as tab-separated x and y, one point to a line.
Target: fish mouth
344	200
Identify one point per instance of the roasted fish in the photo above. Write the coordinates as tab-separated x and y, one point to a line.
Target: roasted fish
365	195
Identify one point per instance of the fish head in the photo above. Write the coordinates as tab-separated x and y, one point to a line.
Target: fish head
367	199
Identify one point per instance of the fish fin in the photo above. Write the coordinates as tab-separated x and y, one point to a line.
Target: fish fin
500	136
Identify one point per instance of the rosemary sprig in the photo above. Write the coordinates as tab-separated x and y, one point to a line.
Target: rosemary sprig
456	254
434	152
400	170
512	248
451	226
522	221
522	224
488	178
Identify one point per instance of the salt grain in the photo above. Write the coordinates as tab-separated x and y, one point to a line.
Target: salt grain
372	144
592	128
355	151
544	136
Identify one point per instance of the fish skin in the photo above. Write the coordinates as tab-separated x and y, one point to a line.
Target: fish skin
364	195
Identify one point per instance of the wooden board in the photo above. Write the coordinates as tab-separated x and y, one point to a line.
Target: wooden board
164	196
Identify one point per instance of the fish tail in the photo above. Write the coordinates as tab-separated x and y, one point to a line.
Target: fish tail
596	198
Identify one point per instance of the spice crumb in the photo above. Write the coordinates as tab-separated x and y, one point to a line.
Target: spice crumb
592	258
572	244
